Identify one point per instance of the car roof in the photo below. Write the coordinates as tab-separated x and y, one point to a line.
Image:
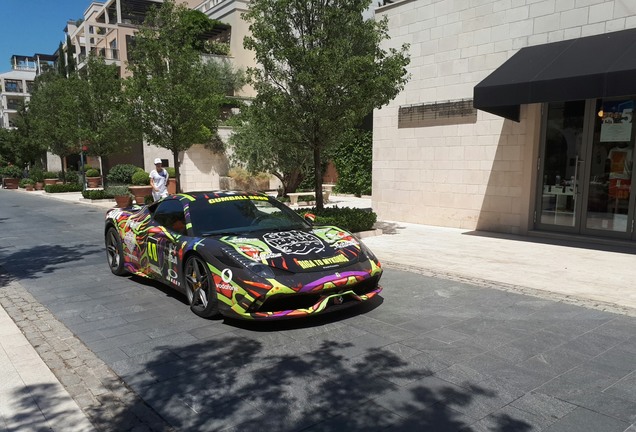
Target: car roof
217	194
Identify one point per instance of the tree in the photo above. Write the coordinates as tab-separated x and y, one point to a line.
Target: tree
321	70
256	145
70	57
27	149
177	95
61	60
353	158
54	109
106	122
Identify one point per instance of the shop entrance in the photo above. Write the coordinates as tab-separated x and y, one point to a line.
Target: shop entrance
585	168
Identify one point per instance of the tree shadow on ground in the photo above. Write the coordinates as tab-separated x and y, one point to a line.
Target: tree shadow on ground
28	404
38	261
388	227
323	385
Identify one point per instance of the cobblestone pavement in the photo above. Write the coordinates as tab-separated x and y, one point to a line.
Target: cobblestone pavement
431	354
107	401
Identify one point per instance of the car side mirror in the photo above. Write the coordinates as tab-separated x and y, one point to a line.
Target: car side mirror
310	218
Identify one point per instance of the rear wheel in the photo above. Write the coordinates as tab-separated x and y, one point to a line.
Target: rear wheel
200	288
114	252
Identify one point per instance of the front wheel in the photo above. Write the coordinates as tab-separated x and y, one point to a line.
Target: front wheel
114	252
200	288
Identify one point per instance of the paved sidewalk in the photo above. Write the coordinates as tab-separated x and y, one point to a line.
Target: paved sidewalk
31	397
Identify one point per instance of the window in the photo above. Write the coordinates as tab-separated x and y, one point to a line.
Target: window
169	214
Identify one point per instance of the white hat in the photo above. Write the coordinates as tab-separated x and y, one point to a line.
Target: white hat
157	161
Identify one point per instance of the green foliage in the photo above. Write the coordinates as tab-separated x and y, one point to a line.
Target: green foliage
71	176
148	199
353	158
36	174
351	219
320	71
107	123
122	174
20	145
11	171
92	172
26	182
118	191
170	171
96	194
216	47
59	188
262	145
50	174
141	178
176	95
56	128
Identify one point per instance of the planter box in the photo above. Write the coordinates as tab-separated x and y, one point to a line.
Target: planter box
11	183
50	181
94	182
140	193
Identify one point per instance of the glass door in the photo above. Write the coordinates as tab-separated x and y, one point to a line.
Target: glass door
609	207
561	167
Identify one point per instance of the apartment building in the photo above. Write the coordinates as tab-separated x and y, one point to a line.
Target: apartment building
16	85
107	30
517	118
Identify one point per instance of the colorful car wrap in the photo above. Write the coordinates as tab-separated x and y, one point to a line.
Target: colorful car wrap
265	275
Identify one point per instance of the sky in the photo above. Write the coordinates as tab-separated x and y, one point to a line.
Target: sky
34	26
37	26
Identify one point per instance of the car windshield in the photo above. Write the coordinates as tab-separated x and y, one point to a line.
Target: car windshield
241	214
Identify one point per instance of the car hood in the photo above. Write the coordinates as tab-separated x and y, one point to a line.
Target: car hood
317	249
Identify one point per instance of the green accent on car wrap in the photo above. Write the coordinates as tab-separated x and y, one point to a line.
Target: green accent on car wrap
334	235
278	288
251	248
188	225
197	244
375	269
188	197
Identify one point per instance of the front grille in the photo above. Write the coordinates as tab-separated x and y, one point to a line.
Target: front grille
289	302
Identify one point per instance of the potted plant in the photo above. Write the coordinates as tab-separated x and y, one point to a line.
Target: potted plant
50	177
172	181
141	186
11	176
93	178
37	175
27	184
122	195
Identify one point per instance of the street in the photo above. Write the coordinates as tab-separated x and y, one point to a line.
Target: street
430	354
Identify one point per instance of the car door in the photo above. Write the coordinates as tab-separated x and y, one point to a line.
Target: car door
165	241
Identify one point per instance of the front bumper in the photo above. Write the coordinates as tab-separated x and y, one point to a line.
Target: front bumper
325	303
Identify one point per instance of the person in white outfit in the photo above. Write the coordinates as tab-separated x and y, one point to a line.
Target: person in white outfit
159	181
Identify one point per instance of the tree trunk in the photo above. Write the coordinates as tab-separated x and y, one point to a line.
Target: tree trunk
318	178
175	157
63	170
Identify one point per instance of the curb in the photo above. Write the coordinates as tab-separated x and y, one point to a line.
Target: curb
517	289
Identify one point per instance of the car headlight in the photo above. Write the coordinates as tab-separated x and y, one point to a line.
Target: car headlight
257	268
366	252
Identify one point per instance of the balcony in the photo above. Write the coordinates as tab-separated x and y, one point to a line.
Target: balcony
11	86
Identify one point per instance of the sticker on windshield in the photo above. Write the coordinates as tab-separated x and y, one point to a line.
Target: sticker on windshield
294	242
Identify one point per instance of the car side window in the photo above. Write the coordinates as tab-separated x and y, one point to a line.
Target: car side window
169	214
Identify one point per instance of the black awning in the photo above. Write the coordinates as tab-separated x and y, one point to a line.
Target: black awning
589	67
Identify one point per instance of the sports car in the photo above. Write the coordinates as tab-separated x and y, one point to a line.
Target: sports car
241	254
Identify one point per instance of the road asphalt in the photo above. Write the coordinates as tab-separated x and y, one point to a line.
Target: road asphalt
593	275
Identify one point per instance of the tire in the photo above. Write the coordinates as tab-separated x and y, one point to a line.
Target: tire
200	288
114	253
